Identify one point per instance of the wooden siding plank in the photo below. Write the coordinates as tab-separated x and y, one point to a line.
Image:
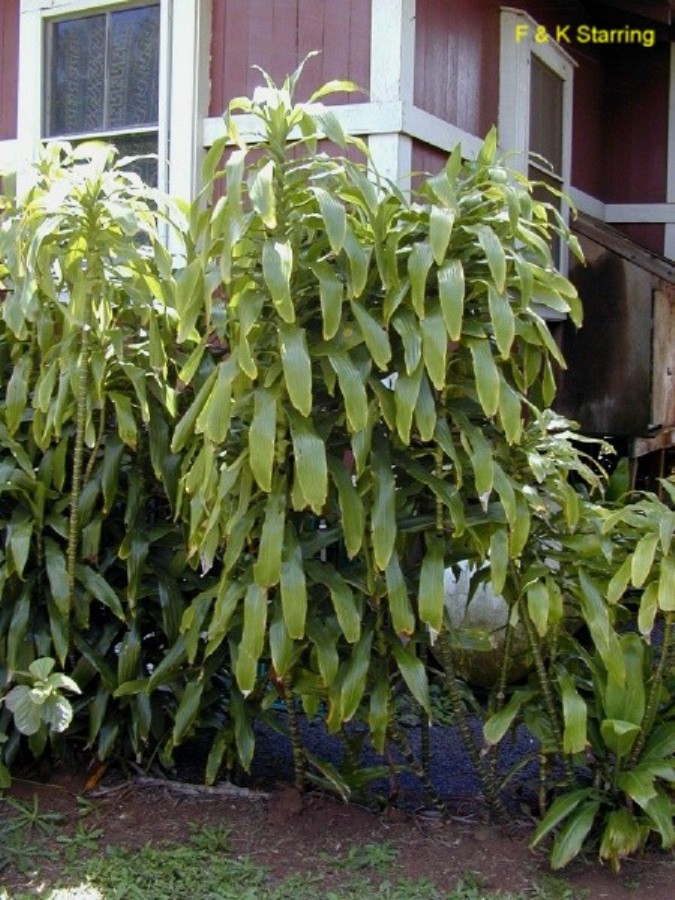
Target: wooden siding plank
9	68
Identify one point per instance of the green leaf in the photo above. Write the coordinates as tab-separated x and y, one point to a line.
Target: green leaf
499	723
400	608
331	293
354	681
310	465
441	221
575	716
346	610
510	412
499	559
214	419
351	507
293	586
419	262
42	668
431	598
20	535
414	673
619	581
334	216
189	291
101	590
374	335
277	266
494	253
261	193
406	394
660	811
538	606
267	568
666	595
560	809
58	576
434	346
487	375
253	638
503	321
297	367
383	514
16	396
451	294
352	389
281	645
407	325
570	840
187	710
359	260
261	437
643	559
619	736
639	785
185	428
27	714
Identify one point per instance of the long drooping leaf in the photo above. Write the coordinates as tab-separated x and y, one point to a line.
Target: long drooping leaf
261	437
253	638
311	469
351	507
431	600
383	515
277	266
297	367
293	586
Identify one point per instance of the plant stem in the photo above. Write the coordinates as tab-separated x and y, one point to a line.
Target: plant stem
481	766
78	460
546	690
652	707
299	761
419	771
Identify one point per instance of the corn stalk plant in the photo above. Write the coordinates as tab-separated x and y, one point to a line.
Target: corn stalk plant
92	571
361	368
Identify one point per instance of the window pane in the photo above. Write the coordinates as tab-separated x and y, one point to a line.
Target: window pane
546	114
133	54
139	145
77	76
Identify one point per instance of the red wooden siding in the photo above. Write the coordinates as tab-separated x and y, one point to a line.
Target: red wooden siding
588	142
277	35
457	61
636	123
427	160
9	63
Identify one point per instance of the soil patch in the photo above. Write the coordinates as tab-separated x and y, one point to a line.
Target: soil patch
316	834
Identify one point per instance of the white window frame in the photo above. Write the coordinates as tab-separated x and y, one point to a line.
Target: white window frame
183	82
517	47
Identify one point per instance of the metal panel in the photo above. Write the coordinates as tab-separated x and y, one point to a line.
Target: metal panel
9	67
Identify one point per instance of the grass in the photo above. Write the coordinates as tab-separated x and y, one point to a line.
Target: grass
203	867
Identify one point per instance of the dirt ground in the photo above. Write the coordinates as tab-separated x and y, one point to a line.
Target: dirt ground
286	833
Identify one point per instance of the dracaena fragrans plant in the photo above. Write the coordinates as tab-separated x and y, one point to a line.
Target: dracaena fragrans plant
363	421
91	569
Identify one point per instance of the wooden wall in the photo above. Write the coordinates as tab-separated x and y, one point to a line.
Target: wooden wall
457	61
277	35
9	61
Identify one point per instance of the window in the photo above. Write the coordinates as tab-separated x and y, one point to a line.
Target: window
535	109
134	72
103	81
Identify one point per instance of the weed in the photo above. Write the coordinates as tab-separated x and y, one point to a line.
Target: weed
380	857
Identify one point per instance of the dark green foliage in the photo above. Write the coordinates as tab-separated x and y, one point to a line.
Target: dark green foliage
235	473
